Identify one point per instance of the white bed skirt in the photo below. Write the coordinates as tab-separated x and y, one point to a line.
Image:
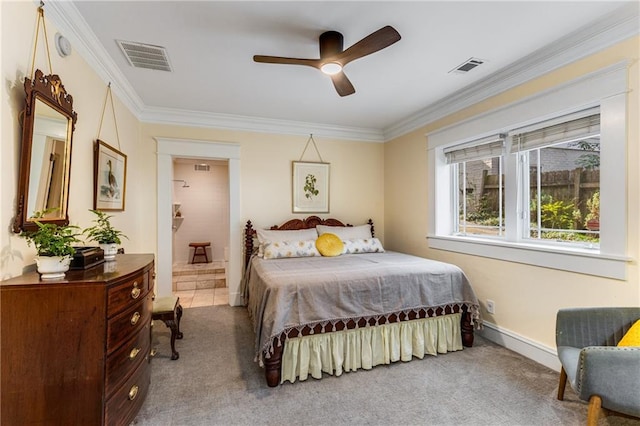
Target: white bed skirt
350	350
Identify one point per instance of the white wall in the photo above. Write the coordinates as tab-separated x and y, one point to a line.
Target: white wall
204	206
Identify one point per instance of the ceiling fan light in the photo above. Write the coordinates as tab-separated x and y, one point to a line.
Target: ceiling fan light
331	68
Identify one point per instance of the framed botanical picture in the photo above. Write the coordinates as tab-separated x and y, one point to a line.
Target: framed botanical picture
109	178
310	187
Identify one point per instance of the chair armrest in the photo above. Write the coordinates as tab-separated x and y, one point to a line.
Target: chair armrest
582	327
613	373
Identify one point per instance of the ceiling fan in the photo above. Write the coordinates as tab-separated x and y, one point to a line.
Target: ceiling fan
333	58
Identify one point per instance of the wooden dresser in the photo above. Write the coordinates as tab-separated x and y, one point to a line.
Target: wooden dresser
75	351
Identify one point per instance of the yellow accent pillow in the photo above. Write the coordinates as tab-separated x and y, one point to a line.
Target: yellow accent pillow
329	245
632	337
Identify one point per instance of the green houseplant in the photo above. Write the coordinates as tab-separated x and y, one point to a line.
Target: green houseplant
54	246
104	234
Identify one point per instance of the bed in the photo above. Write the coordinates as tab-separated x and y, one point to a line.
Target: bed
314	314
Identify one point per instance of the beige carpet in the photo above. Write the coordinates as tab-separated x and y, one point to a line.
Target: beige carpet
216	382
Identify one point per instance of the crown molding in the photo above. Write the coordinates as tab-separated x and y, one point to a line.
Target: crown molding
255	124
613	28
66	17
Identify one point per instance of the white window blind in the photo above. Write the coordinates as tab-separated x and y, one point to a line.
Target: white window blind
582	125
491	146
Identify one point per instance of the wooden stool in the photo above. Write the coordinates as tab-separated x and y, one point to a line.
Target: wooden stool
200	249
168	310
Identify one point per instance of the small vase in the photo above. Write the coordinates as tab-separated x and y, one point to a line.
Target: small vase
52	267
110	251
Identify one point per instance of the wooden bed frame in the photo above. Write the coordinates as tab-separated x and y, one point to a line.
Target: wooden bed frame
273	363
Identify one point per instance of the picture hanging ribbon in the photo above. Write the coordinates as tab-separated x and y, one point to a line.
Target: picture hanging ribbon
40	19
314	145
104	108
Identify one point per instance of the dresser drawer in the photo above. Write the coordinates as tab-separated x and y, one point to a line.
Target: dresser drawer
125	402
125	360
128	323
123	295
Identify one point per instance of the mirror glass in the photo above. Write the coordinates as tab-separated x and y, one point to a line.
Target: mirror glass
45	161
48	170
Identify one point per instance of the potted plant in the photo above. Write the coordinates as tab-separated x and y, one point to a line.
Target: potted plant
54	246
105	235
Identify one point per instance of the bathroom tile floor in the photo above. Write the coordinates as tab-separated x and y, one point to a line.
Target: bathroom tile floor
200	284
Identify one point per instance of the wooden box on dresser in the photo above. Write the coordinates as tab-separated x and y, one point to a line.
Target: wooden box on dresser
75	351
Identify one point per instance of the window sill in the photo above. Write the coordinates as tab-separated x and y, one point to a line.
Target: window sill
582	261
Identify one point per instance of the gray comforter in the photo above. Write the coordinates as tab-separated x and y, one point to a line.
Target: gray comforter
286	294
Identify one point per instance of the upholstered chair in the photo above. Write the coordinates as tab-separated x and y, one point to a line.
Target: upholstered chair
600	372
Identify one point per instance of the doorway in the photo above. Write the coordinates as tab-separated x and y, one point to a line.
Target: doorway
200	231
169	150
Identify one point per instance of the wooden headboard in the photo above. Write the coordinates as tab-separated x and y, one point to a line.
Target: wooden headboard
290	225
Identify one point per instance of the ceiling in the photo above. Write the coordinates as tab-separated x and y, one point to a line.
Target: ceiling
210	45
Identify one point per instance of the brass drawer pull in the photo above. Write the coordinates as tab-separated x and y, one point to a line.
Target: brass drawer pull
134	353
135	293
134	318
133	392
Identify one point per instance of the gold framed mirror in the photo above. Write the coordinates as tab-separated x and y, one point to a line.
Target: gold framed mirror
45	161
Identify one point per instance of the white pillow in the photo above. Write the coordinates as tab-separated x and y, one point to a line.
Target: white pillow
367	245
281	249
274	236
346	232
265	235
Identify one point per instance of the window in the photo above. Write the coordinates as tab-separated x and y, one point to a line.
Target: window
478	198
524	183
559	179
562	192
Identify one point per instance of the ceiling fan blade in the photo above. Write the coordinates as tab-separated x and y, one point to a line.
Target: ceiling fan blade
375	41
342	84
289	61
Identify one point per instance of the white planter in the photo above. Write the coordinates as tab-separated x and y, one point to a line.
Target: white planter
52	267
109	267
110	251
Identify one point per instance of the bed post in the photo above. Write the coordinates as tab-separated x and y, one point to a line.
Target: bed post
273	364
466	327
373	232
248	243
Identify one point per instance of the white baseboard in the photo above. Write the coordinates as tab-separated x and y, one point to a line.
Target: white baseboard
235	299
533	350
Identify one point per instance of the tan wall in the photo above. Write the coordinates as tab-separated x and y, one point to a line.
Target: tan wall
88	91
385	182
356	176
356	172
526	297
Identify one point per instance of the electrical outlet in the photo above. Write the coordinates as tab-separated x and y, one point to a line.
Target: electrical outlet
491	307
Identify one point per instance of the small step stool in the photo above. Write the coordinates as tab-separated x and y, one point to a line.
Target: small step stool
200	249
168	310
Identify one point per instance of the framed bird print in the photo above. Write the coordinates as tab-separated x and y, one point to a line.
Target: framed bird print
109	178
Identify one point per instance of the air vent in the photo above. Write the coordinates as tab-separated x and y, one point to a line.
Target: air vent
201	167
467	65
147	56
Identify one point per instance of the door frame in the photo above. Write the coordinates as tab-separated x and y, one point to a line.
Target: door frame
167	150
